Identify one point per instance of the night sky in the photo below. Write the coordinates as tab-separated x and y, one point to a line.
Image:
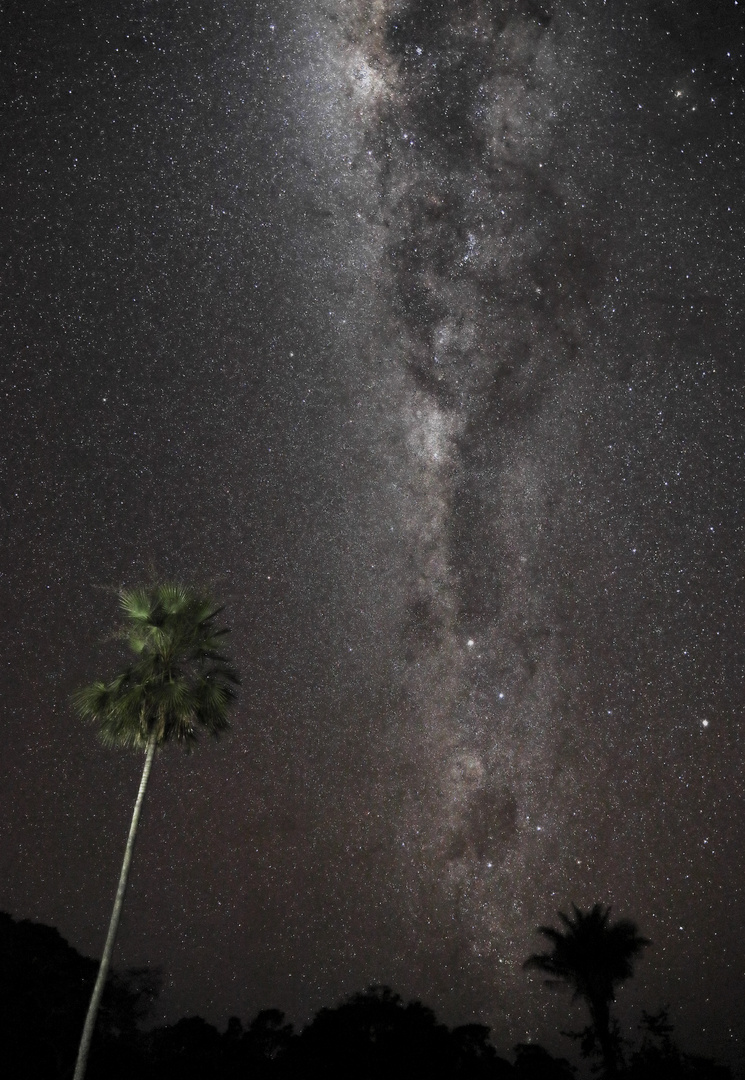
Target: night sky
414	330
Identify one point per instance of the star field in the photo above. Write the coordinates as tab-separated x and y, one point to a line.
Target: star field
414	329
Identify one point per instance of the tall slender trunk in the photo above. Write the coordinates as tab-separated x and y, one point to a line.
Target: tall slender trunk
600	1013
90	1020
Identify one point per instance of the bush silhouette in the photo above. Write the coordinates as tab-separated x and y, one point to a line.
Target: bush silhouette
45	985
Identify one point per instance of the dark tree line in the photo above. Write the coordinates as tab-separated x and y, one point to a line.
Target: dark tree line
45	988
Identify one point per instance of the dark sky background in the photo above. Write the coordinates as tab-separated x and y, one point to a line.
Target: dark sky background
415	330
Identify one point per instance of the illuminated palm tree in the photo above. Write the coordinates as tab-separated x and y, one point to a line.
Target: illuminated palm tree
178	683
592	956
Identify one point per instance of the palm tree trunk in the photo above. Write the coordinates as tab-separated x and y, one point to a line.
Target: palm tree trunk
600	1012
90	1020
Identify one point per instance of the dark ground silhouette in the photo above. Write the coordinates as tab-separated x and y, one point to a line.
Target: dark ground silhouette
45	986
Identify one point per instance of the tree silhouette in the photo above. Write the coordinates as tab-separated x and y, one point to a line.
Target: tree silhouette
43	999
371	1034
376	1036
592	956
533	1062
179	682
190	1049
265	1041
659	1058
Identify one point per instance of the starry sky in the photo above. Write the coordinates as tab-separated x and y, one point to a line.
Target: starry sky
414	330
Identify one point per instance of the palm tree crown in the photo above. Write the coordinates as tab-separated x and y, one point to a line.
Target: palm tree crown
592	955
179	681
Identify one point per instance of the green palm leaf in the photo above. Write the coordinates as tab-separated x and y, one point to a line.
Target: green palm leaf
180	682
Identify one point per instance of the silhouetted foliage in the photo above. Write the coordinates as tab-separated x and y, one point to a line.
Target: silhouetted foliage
369	1035
533	1062
658	1056
45	985
592	956
375	1035
259	1050
268	1037
474	1056
187	1050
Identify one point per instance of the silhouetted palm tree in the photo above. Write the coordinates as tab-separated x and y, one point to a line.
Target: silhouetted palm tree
592	956
179	682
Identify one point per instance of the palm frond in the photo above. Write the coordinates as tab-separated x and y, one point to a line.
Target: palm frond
592	955
136	604
174	598
180	681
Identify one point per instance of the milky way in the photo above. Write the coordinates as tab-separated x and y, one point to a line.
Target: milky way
486	280
482	143
414	329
